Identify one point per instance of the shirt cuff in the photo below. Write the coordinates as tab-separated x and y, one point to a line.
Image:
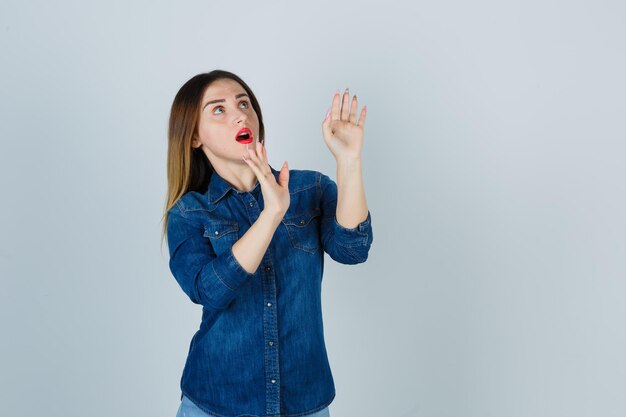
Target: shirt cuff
229	270
356	236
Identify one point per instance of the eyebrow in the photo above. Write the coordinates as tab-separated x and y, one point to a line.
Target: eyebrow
222	100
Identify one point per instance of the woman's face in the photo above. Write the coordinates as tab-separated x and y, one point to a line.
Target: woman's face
225	110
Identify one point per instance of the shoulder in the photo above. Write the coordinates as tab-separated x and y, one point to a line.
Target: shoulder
303	179
190	201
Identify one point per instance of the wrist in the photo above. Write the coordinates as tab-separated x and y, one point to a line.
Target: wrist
272	215
348	166
349	162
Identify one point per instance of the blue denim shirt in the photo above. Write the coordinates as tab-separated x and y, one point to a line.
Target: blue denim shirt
260	347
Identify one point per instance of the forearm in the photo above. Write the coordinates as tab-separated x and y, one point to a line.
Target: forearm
351	204
251	247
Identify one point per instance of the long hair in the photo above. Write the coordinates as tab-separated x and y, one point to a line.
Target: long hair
188	168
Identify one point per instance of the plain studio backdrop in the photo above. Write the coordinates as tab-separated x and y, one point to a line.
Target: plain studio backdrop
493	167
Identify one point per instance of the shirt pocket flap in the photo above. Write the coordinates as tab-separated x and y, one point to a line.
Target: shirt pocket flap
302	219
217	230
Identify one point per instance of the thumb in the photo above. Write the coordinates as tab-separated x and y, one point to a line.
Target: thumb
283	175
326	130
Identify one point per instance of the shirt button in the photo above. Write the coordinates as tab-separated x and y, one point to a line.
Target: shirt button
251	204
268	268
273	381
271	343
269	304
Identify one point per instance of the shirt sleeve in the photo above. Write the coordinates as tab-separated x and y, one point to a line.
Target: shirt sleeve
207	279
344	245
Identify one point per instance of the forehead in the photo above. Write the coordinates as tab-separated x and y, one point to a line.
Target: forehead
222	88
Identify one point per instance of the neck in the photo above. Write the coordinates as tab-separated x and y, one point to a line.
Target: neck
238	175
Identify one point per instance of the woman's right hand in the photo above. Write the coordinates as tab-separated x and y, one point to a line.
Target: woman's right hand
275	194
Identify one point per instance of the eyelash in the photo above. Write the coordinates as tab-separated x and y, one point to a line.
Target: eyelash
242	101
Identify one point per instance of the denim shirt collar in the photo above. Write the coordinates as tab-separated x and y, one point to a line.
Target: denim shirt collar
219	187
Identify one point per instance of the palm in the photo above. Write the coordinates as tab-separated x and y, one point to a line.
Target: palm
342	133
275	194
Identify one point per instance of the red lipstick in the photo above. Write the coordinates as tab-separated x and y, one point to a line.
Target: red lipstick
244	136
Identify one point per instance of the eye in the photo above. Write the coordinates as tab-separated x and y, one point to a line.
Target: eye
221	107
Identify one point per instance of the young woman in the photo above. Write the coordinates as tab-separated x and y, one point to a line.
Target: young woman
247	242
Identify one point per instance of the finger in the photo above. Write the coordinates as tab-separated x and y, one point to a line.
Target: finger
259	152
334	113
268	169
283	176
353	108
257	157
362	116
345	110
265	154
326	130
265	165
260	170
253	155
252	166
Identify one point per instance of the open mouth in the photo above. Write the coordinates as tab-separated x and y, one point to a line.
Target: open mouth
244	136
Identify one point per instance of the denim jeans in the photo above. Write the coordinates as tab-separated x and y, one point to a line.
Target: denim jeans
189	409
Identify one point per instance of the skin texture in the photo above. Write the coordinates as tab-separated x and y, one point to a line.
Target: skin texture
344	135
243	165
217	127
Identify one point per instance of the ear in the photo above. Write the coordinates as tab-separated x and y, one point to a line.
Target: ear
195	142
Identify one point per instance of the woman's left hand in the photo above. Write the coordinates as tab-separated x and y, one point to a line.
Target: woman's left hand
342	133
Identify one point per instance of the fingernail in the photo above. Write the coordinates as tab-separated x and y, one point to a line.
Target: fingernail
327	113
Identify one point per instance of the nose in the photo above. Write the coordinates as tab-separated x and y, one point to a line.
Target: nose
242	116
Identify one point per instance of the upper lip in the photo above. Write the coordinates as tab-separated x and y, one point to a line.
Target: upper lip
244	130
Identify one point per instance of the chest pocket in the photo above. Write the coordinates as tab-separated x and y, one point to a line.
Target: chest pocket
222	235
304	230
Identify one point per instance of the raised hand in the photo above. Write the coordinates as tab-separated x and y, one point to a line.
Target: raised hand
275	194
342	133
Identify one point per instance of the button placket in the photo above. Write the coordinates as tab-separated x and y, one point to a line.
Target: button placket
270	333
